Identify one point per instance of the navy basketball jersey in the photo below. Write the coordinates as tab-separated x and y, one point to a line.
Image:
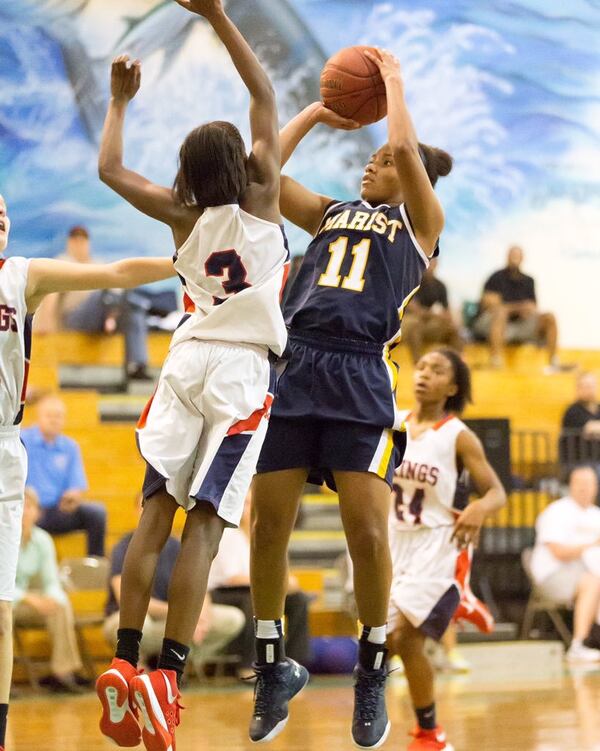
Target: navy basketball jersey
359	273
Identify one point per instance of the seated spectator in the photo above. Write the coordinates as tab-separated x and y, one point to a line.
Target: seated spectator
217	625
427	321
57	475
229	583
580	429
40	598
509	314
99	311
566	558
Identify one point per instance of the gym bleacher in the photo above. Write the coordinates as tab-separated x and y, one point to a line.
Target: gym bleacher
87	372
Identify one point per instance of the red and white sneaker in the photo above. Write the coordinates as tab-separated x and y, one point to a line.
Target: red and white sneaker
157	697
429	740
119	716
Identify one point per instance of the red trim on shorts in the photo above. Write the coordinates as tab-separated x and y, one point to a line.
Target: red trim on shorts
2	262
25	379
286	273
141	423
188	304
252	422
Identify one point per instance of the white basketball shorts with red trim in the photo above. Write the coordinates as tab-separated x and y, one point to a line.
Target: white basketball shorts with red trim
202	431
13	471
424	586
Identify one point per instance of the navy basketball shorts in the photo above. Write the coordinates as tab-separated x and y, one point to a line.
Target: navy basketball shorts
335	410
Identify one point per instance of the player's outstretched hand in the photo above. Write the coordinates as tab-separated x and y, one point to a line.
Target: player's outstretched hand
125	77
468	525
386	61
206	8
329	117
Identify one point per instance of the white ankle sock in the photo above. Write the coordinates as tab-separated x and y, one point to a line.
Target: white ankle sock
267	629
377	634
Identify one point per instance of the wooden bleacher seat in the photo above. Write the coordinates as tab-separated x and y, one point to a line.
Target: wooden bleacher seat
115	471
75	348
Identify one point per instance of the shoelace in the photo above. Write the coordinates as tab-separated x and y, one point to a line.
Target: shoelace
263	690
368	689
172	715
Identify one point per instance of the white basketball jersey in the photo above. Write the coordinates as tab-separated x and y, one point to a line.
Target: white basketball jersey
425	482
233	267
15	339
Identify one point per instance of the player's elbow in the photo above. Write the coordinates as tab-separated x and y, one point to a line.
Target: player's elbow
120	276
108	171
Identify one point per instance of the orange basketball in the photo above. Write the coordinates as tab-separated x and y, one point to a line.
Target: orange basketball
351	85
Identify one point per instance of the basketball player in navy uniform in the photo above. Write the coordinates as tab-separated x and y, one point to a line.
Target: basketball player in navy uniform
23	285
429	536
335	417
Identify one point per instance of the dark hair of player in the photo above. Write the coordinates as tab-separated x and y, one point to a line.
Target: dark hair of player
462	379
437	162
212	166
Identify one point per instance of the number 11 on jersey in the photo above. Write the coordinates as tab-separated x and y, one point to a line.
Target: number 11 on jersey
355	280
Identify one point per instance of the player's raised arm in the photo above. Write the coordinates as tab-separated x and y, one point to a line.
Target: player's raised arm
487	483
300	205
154	200
264	161
424	208
48	275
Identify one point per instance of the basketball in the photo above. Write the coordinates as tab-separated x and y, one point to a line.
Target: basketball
351	86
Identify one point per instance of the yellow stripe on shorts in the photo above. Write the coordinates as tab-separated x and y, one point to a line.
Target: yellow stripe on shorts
385	458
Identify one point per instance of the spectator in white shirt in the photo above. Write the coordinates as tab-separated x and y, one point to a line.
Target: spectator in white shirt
566	558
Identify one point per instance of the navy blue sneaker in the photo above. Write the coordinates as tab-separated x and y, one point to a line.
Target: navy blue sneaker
275	686
370	723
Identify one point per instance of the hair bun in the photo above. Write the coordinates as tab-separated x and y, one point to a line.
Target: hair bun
443	162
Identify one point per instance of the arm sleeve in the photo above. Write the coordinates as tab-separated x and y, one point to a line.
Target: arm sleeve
532	290
572	419
18	595
76	479
493	284
550	527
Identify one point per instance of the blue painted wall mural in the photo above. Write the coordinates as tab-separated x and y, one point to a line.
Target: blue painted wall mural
510	87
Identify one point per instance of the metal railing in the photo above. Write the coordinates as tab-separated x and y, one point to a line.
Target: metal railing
575	447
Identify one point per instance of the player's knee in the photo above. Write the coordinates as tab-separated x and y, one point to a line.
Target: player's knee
368	541
407	641
268	530
95	512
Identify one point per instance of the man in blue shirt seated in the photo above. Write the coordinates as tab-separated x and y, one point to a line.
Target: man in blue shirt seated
56	473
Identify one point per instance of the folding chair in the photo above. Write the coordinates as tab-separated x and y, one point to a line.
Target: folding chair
540	603
87	576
